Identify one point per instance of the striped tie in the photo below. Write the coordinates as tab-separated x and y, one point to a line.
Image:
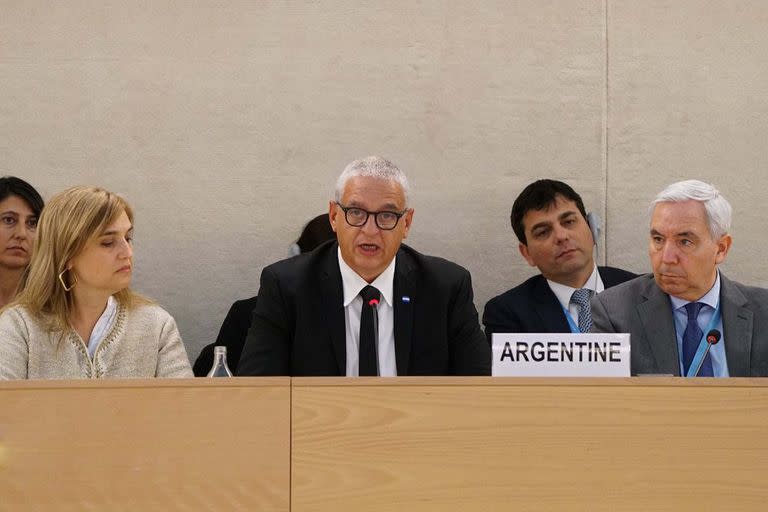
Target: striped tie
581	298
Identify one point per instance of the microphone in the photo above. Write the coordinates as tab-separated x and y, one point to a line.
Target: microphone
374	303
713	337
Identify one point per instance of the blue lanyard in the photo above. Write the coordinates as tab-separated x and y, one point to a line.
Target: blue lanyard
703	344
571	324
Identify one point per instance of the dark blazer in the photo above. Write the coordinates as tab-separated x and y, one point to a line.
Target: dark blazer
533	306
232	335
298	326
642	309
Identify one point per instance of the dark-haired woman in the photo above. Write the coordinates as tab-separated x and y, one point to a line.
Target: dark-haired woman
20	207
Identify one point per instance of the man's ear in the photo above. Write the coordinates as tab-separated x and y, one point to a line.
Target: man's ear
332	214
723	246
407	218
524	252
595	224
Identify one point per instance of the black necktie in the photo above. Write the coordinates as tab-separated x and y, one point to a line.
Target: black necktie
368	334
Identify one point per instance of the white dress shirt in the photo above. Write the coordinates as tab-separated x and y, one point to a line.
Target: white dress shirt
353	284
564	292
103	326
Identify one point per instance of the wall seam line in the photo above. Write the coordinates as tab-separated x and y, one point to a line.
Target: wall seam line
606	130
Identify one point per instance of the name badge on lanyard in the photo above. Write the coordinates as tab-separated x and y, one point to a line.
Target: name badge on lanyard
571	324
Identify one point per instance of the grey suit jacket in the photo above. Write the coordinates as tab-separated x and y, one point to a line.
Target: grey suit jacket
642	309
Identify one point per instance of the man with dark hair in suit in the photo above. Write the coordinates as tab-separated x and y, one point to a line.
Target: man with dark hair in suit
366	304
670	313
551	225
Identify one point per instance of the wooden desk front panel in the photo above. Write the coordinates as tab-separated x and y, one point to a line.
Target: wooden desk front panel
527	444
167	445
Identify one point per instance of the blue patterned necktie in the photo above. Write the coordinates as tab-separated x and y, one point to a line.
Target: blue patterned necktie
691	339
581	298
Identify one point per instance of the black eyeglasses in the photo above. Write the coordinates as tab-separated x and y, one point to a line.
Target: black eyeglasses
358	217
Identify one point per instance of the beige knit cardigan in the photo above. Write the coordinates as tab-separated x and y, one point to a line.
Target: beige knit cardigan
144	342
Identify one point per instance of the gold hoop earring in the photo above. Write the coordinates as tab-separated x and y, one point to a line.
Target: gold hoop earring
61	280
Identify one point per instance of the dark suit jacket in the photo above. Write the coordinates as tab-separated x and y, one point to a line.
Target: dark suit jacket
533	306
298	326
642	309
232	335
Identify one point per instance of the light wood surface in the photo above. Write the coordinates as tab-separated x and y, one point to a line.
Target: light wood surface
409	444
193	444
529	444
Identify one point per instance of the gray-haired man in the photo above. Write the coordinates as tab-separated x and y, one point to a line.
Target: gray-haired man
669	313
366	305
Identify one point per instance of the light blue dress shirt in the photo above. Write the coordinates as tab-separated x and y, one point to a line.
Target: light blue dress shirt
711	301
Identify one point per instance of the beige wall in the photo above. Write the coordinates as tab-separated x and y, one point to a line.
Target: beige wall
225	123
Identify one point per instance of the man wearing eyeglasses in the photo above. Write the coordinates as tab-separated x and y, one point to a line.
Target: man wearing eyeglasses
366	305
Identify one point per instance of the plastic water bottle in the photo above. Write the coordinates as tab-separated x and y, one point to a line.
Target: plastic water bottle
220	368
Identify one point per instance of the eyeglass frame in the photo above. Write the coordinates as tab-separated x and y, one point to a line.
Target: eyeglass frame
346	209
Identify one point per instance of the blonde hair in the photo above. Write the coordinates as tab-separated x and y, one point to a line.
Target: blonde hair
67	223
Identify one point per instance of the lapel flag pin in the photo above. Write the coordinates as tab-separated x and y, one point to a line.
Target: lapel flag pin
406	299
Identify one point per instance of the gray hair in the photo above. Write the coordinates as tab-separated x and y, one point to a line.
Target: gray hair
373	167
718	208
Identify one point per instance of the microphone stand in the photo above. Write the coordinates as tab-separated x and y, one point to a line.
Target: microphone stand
701	363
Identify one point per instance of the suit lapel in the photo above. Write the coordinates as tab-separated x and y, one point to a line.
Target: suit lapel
403	298
656	317
548	307
737	328
333	307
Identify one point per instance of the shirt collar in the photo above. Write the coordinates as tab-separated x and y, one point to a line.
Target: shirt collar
711	298
563	292
106	317
353	283
103	324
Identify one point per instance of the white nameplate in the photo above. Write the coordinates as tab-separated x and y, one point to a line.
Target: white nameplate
561	355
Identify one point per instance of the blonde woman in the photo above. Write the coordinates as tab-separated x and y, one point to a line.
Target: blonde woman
76	316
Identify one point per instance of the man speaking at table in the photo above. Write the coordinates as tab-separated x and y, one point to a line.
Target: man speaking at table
670	313
366	304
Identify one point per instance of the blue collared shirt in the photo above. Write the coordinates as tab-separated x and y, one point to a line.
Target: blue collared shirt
711	301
